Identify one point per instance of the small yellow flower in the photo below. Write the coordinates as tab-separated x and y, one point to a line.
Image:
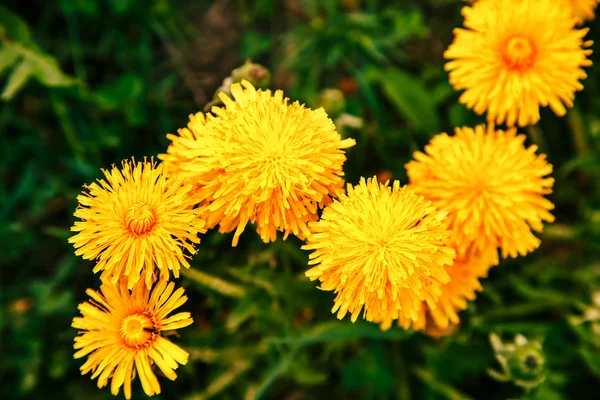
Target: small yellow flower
491	186
260	160
513	56
135	220
381	248
119	332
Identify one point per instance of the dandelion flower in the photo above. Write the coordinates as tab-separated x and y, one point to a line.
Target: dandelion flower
178	154
381	248
463	286
514	56
490	184
259	159
119	331
582	10
135	220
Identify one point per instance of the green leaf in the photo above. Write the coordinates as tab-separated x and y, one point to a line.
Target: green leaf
17	79
548	392
592	359
411	99
240	314
34	62
212	282
47	70
330	331
441	92
15	27
303	371
405	23
444	390
8	57
475	358
224	380
121	6
254	44
86	7
117	93
277	370
369	371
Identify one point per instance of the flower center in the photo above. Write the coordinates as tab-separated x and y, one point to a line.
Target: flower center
531	362
137	330
140	218
519	53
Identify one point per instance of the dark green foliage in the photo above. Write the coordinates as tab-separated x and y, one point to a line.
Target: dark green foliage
88	83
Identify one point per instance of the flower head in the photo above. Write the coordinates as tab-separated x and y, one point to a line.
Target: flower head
514	56
119	331
179	156
463	286
381	248
135	220
582	10
260	160
491	186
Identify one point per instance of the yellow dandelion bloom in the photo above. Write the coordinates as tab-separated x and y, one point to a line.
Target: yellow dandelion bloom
381	248
119	332
135	220
583	10
463	286
259	159
491	186
514	56
179	154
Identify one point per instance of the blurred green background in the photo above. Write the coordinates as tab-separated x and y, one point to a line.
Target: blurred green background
88	83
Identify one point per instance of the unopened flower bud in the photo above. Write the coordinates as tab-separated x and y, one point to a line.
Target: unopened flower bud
256	74
522	361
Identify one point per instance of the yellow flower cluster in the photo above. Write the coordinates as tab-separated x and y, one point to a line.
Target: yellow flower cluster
256	160
392	250
493	189
510	58
136	222
414	254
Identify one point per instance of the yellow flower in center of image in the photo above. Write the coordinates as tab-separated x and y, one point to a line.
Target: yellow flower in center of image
260	160
380	248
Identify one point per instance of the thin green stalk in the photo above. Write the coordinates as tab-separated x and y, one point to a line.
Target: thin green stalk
443	389
536	136
61	111
279	369
401	366
576	126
